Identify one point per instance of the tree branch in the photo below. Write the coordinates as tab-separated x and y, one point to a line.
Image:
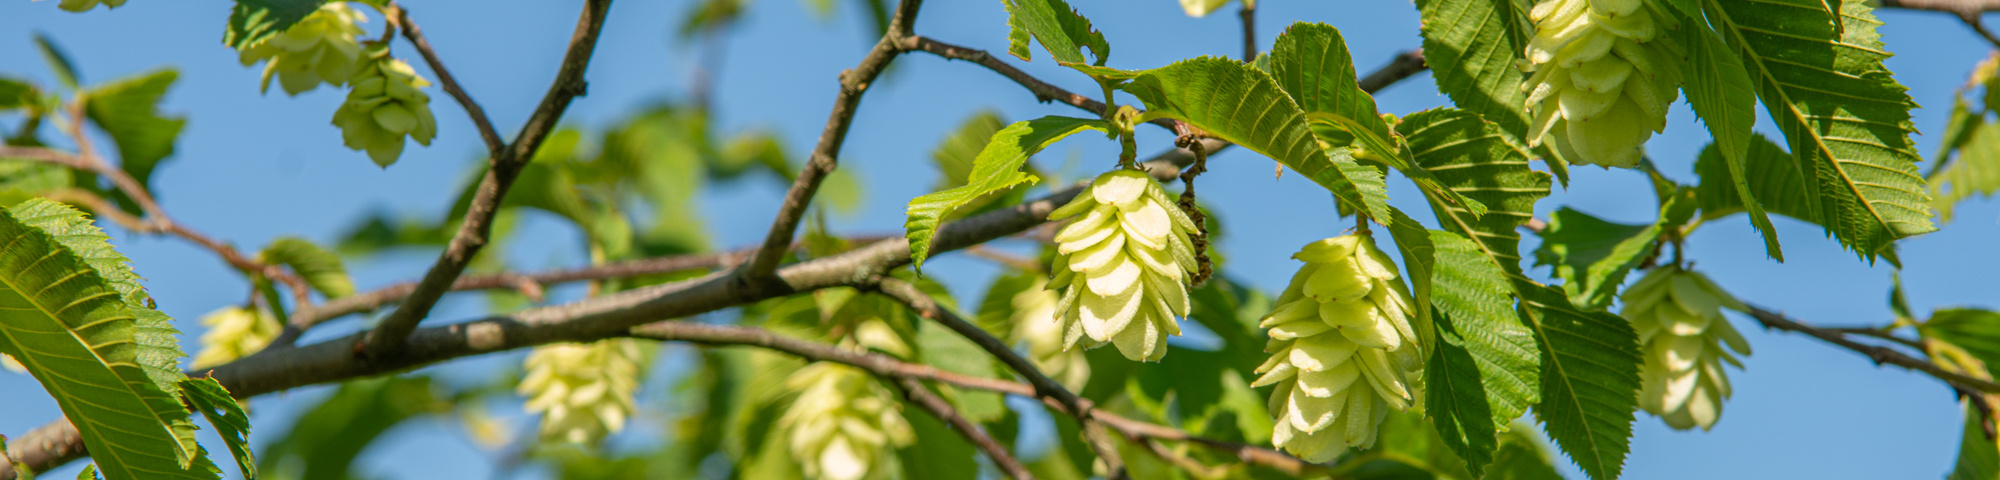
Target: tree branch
915	391
401	17
306	318
1045	387
506	164
156	222
1879	354
825	156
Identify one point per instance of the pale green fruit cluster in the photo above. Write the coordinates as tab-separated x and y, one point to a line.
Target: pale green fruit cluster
86	5
583	391
383	106
1678	315
1343	353
843	425
1035	324
1123	266
320	48
233	333
1604	73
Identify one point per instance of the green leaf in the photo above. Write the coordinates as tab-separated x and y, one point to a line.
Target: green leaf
939	346
1975	330
226	415
326	439
159	351
59	62
89	472
1471	157
1720	90
939	452
1483	370
1978	457
128	110
1062	31
251	21
956	155
1958	128
22	179
74	320
1311	63
997	168
1775	183
1521	457
1471	46
1413	241
1590	378
1847	120
1591	255
1975	171
1236	102
17	93
320	267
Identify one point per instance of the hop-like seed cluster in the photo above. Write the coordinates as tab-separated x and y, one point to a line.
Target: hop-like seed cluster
1123	266
321	48
8	362
383	106
1035	324
233	333
1604	73
1342	350
86	5
843	424
583	391
1678	315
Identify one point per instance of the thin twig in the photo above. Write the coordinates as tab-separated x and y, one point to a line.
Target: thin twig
1877	333
1967	11
1972	20
494	145
156	221
825	156
1249	17
1079	407
1044	91
505	165
1879	354
915	391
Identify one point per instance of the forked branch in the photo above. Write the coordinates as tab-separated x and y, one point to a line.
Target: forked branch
505	164
825	156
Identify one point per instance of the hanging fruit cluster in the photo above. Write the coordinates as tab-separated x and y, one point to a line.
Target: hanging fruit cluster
1604	73
1343	353
1678	315
1123	266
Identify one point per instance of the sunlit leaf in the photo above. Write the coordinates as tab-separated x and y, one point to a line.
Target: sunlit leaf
1847	120
997	168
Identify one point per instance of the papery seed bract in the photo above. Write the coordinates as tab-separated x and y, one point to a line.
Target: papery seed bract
1685	340
1343	353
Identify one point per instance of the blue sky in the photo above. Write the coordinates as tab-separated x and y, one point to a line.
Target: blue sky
254	167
